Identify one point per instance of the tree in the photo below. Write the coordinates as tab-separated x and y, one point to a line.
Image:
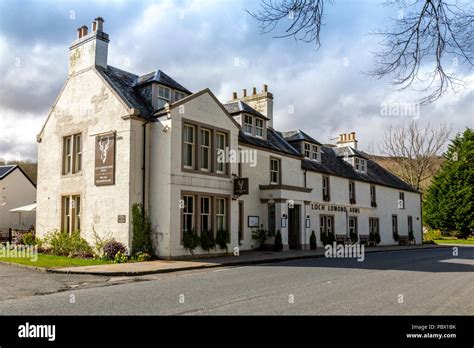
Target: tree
415	150
449	202
426	32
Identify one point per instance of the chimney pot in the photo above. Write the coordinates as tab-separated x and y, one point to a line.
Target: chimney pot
84	30
254	90
244	92
79	32
234	95
353	135
98	24
265	88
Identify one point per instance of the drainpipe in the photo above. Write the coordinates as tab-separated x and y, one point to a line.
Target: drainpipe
144	168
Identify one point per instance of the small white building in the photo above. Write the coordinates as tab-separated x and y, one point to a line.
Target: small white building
114	138
16	190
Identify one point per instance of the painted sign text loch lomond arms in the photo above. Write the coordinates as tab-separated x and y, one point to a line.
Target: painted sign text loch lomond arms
334	207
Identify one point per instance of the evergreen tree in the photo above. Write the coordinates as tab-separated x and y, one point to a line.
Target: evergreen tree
449	202
141	226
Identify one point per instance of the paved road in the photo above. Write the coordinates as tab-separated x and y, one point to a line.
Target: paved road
428	281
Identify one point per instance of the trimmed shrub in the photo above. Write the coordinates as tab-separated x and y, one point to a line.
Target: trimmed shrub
375	237
112	248
278	242
260	236
28	239
395	236
431	235
312	241
120	257
142	257
141	226
354	237
222	239
191	240
63	244
207	240
327	239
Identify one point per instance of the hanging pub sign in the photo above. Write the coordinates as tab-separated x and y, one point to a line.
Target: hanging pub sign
241	186
105	159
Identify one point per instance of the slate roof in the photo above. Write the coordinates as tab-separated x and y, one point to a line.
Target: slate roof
350	151
130	87
273	142
298	135
127	85
6	169
162	78
238	106
122	82
332	163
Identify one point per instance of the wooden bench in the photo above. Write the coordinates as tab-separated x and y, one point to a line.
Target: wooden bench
364	239
404	240
341	238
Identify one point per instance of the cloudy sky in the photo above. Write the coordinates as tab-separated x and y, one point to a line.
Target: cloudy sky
214	44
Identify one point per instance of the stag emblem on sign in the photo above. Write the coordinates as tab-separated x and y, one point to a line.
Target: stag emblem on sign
104	144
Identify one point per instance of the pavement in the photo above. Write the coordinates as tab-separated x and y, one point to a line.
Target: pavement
422	281
244	258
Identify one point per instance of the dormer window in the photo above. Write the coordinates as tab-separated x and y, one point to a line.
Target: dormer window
259	127
248	124
178	96
307	150
360	164
164	94
311	151
315	152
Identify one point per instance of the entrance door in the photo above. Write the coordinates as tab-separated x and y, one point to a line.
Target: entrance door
294	227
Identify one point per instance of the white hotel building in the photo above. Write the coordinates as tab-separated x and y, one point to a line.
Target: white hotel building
113	139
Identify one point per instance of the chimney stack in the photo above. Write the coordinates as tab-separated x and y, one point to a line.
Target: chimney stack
348	139
89	49
262	102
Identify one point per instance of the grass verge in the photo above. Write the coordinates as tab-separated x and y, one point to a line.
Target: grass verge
455	241
54	261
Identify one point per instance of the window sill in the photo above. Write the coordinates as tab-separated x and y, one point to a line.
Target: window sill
205	173
72	175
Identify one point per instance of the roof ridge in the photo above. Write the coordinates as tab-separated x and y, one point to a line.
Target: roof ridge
125	71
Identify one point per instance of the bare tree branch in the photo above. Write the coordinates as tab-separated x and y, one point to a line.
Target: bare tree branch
415	150
425	35
305	18
428	37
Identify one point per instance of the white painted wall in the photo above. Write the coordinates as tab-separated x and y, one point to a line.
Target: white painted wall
74	113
